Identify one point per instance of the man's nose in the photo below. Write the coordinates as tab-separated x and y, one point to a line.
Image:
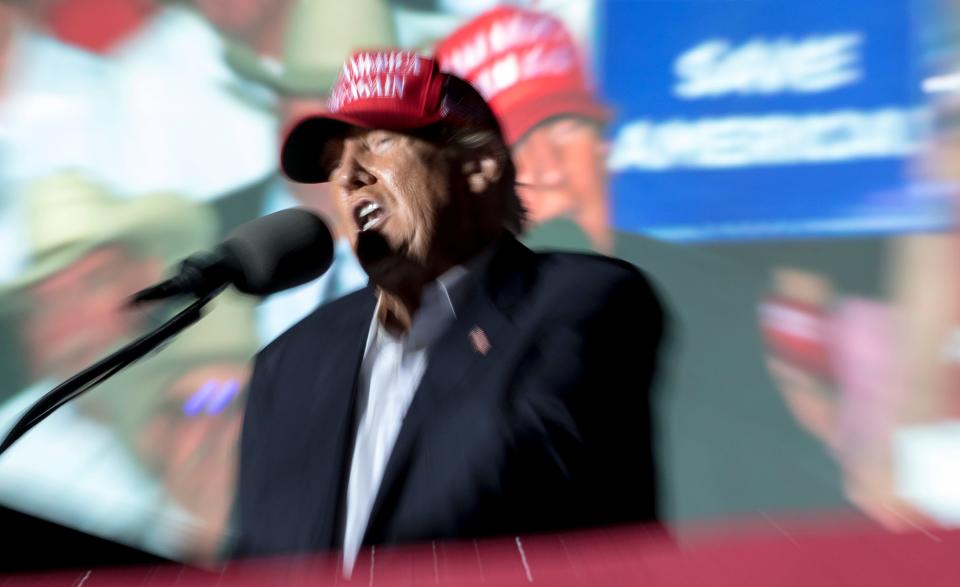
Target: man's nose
350	173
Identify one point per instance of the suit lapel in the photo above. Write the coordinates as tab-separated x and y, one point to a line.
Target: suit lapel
452	361
335	393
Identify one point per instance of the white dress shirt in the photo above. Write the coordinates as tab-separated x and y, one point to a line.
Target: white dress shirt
389	377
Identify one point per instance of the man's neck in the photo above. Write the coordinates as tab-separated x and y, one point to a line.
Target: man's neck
395	314
398	305
399	302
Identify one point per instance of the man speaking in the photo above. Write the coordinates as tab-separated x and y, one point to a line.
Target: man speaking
474	388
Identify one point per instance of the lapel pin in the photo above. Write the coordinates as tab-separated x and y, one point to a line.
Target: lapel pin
479	340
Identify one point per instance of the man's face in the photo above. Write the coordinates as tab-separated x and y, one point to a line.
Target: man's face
239	18
560	166
76	314
395	193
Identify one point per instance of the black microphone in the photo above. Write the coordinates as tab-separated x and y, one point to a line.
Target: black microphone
266	255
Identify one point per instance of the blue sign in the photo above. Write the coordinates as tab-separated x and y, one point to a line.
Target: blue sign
763	119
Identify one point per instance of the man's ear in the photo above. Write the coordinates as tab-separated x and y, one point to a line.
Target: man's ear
483	172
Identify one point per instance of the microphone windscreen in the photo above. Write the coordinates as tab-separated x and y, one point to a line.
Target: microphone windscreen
278	251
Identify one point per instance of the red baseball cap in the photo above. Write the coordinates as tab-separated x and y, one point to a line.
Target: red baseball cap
389	89
525	64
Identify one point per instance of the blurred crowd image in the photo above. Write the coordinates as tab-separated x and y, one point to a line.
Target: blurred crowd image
784	172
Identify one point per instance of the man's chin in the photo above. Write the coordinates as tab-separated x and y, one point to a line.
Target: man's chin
371	247
386	273
376	257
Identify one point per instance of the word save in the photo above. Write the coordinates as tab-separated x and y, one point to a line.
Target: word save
760	66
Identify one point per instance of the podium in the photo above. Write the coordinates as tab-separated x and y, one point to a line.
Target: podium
771	553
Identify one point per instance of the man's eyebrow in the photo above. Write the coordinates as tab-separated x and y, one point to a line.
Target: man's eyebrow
353	131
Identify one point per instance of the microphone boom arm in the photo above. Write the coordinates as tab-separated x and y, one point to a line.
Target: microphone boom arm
105	368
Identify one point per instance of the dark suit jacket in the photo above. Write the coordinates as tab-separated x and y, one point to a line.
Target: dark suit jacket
550	429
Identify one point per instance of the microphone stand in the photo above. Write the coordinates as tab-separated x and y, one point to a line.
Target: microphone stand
106	368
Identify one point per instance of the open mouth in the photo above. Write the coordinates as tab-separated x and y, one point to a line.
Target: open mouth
368	214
